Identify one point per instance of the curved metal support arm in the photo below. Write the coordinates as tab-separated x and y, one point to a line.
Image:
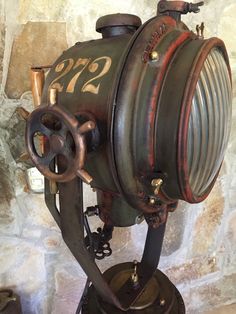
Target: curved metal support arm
71	223
152	250
72	228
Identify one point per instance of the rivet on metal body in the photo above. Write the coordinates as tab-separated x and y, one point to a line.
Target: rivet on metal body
154	56
134	275
162	302
152	201
139	219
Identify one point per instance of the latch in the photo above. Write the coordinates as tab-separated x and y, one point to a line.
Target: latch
176	8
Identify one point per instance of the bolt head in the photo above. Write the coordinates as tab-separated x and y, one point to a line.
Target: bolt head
152	201
154	56
162	302
139	219
156	182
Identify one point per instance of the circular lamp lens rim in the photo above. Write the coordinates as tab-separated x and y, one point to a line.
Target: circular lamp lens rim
182	161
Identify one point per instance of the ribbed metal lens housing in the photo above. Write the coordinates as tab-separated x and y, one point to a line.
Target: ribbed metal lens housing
209	123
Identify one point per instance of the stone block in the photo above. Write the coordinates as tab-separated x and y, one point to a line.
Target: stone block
7	218
175	229
227	309
229	241
231	232
208	222
233	68
10	219
69	284
229	265
52	242
232	198
14	128
22	269
7	109
36	212
209	294
41	10
62	306
16	136
6	185
192	270
225	29
37	44
2	48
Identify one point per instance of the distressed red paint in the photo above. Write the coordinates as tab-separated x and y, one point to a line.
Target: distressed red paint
156	91
184	120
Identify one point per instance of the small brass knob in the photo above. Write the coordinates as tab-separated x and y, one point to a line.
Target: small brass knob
154	56
157	183
152	201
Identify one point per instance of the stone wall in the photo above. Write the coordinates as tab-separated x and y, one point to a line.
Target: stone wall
199	252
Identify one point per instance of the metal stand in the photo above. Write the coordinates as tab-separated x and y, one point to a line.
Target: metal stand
72	223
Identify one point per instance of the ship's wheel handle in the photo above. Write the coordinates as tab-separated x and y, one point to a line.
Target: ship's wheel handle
64	140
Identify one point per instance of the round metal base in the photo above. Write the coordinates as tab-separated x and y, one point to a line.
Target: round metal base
159	296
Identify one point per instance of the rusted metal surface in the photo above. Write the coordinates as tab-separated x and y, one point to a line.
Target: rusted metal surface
117	110
176	8
193	76
117	24
50	200
128	137
58	143
176	181
113	85
37	83
109	203
71	222
99	105
169	299
72	227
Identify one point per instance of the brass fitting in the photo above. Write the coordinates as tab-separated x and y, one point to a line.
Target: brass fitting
154	56
134	276
157	183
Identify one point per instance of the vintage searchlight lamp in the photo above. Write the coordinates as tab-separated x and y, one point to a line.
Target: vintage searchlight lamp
142	115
